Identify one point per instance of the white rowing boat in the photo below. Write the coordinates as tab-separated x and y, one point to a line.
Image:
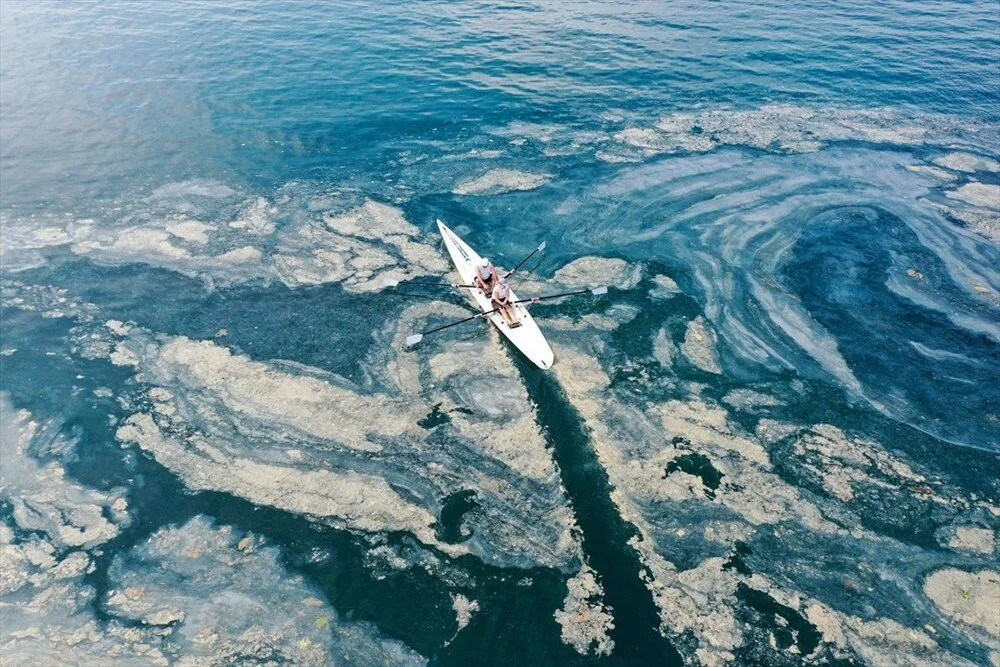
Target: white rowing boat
527	337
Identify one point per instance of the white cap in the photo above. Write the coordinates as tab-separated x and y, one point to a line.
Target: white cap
502	281
484	262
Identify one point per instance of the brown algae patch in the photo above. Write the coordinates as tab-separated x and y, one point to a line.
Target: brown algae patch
970	598
593	271
700	343
638	443
349	499
165	594
585	620
975	539
373	460
42	497
499	181
360	248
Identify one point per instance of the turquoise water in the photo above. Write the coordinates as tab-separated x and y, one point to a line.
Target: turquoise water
774	440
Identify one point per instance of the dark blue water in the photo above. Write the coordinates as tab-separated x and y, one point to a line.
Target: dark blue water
235	181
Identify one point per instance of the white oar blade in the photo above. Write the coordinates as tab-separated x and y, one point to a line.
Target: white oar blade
603	289
542	247
390	282
414	339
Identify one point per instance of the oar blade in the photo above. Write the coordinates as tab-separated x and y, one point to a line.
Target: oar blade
414	339
390	282
542	246
603	289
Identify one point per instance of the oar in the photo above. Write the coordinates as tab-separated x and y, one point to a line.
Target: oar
603	289
391	282
416	338
538	249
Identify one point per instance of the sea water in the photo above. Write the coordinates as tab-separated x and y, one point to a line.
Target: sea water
773	441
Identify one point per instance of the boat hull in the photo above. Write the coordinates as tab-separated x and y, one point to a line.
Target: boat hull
528	337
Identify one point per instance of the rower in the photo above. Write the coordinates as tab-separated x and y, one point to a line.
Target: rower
501	301
486	276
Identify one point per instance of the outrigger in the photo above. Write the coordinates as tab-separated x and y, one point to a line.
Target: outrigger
521	330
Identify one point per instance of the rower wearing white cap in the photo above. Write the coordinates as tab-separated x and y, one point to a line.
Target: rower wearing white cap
501	301
486	276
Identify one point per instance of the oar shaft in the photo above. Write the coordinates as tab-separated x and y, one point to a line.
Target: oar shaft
420	282
467	319
553	296
521	263
415	338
